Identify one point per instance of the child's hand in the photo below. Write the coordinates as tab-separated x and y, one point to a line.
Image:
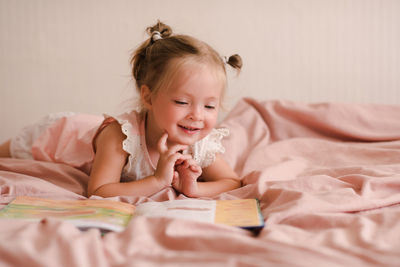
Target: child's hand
169	157
186	180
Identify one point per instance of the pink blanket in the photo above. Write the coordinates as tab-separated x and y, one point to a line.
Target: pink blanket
327	176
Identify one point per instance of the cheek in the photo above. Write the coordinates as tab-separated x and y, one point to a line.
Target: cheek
169	113
212	119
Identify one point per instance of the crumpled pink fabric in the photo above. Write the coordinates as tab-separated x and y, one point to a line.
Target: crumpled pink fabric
327	176
69	141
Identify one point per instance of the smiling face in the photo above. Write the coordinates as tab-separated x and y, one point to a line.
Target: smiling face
188	109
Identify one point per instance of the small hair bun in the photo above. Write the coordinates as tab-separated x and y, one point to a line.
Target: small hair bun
160	30
235	61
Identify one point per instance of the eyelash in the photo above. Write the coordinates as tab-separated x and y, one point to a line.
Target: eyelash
180	102
185	103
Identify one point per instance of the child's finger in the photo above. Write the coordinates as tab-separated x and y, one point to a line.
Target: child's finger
175	178
177	149
195	168
177	157
170	160
190	162
185	164
162	143
179	162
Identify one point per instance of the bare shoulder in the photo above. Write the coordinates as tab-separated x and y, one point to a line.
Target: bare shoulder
110	137
109	159
219	169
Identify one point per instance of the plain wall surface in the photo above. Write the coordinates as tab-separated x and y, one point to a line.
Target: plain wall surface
73	55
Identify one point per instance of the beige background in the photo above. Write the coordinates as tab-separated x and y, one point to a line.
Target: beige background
73	55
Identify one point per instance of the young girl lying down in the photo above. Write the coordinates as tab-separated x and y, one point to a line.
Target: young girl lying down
170	142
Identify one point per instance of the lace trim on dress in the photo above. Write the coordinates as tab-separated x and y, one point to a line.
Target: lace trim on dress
130	145
205	150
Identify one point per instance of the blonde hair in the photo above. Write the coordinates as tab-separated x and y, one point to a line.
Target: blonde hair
157	59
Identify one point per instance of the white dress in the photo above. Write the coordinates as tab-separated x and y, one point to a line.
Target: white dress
139	164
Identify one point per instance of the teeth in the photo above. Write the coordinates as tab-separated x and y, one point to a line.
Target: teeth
189	128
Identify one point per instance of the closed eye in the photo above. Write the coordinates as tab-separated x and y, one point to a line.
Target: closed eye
180	102
210	107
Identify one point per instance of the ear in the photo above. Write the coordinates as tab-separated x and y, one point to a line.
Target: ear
145	96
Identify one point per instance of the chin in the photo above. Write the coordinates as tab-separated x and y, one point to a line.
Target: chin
185	141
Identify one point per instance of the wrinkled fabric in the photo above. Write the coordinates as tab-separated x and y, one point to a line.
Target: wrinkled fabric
327	176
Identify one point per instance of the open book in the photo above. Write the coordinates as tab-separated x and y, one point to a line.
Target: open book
110	215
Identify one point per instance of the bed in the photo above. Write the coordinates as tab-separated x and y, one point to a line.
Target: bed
327	176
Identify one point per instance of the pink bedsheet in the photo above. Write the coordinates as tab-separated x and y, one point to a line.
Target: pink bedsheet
327	176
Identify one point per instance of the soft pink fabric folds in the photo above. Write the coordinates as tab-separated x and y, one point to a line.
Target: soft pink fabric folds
69	141
327	176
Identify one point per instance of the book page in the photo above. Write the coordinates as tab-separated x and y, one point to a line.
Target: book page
104	214
191	209
238	212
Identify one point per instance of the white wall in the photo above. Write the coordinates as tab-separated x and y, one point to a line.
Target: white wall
74	54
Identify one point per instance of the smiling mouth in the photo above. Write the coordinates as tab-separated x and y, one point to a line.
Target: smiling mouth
189	129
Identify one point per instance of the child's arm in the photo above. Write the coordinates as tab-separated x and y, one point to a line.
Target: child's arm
218	178
110	159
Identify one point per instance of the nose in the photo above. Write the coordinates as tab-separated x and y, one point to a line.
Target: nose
196	113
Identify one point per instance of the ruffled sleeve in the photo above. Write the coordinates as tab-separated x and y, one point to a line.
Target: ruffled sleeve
137	166
129	127
204	151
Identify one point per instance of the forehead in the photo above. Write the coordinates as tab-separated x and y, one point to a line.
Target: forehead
197	78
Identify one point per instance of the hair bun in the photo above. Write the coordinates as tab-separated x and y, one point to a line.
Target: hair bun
235	61
163	29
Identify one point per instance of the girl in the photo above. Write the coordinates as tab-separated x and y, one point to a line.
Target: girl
172	140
